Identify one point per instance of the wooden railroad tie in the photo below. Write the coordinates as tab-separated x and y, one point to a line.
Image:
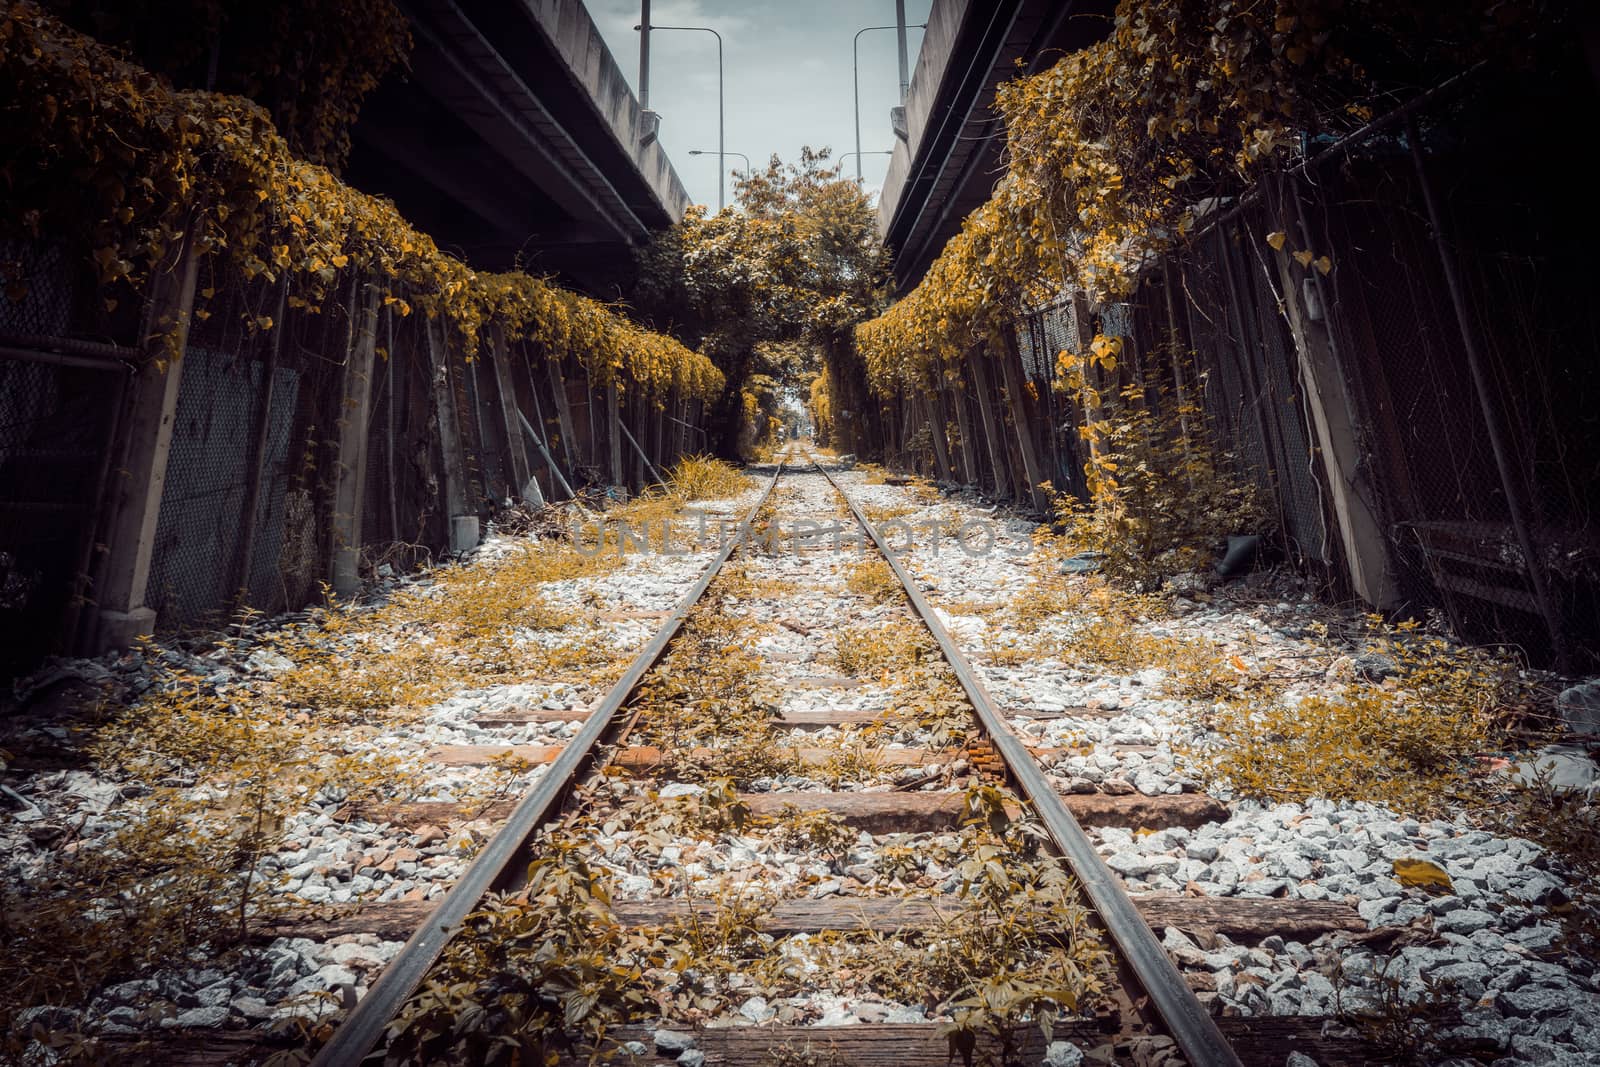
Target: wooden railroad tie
1260	1041
1240	919
879	813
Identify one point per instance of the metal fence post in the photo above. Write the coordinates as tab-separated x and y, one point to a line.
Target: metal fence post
506	406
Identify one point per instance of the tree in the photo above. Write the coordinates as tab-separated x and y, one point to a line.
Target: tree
771	289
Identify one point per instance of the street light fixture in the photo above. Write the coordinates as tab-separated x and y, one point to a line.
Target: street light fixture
858	155
741	155
645	28
855	64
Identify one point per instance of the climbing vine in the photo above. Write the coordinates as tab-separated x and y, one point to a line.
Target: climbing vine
96	150
310	63
1115	152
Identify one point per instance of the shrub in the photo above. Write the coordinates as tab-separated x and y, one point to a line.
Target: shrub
1163	498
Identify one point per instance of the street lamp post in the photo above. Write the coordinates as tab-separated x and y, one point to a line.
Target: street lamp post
855	73
721	167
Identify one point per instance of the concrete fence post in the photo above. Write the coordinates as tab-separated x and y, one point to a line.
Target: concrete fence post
614	433
1334	421
350	472
140	473
463	527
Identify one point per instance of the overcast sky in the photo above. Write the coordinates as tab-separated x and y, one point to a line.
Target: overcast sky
787	65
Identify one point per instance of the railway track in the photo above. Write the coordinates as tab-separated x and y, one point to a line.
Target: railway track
857	777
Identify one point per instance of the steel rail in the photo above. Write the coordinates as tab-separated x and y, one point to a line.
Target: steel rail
361	1030
1187	1021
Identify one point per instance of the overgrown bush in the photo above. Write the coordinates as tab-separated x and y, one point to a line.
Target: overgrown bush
1163	499
871	578
879	651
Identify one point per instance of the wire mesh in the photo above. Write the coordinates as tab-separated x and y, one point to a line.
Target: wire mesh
55	426
1447	488
39	292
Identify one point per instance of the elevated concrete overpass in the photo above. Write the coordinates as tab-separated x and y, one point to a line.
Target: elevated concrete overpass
952	156
514	139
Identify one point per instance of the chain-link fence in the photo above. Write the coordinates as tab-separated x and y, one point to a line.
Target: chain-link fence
1464	313
1457	308
58	412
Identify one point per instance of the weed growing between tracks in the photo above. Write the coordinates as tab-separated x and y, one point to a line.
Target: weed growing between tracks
547	970
550	969
1015	950
703	706
873	579
881	650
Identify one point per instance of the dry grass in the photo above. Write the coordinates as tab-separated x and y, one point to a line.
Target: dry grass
1410	742
873	579
706	478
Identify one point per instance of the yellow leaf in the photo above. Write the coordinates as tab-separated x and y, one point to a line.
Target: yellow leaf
340	261
1420	874
208	292
1275	239
1303	258
1324	264
264	321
